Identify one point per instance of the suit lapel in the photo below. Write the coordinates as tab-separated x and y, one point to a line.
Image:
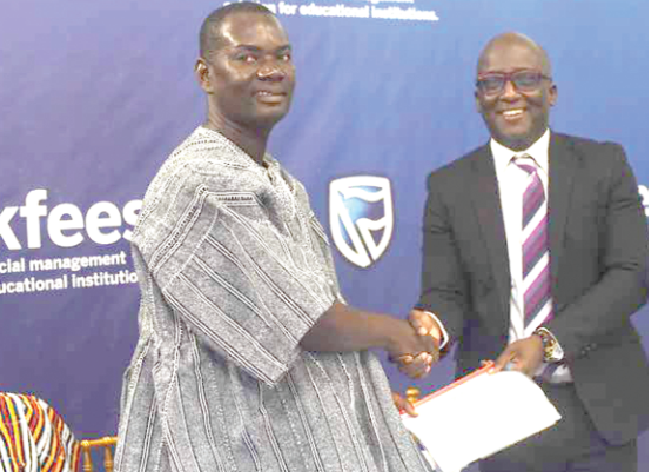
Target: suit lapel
486	202
562	171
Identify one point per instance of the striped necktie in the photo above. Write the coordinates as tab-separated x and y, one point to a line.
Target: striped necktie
537	304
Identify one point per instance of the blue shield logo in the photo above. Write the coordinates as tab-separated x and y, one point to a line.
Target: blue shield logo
361	218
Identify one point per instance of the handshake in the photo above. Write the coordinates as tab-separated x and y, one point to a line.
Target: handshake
416	348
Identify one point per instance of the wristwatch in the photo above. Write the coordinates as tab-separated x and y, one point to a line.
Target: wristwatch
549	345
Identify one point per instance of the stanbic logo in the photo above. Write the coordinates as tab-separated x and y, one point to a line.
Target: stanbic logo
65	222
352	201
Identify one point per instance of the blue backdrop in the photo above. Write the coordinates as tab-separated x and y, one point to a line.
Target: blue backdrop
94	95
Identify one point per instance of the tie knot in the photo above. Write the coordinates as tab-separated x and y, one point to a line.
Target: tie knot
525	162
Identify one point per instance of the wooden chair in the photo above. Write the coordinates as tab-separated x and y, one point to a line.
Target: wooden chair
87	445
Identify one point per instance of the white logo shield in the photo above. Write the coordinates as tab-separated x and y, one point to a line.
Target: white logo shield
354	234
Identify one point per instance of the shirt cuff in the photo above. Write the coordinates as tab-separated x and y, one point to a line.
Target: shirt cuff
444	341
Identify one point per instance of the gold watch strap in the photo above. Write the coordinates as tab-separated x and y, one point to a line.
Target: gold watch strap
549	343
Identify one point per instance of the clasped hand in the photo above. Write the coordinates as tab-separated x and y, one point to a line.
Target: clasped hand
417	348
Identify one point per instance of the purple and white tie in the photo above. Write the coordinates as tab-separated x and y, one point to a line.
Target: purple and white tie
537	304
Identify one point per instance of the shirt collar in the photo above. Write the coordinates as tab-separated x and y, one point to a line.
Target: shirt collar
539	150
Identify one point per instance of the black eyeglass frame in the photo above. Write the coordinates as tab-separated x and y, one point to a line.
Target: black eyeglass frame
510	77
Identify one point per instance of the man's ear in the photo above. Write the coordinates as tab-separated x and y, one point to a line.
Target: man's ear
202	72
478	105
554	94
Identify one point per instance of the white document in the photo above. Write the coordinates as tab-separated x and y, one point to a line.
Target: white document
479	415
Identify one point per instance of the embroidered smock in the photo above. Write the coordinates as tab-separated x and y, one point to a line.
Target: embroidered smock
234	269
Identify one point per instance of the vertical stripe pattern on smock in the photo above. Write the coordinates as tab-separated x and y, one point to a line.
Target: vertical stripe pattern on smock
234	269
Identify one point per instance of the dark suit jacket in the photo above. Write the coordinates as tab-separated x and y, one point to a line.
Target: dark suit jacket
598	257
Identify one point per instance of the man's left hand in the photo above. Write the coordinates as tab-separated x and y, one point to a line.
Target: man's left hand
403	405
524	355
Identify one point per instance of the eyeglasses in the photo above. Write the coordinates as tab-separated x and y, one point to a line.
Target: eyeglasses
525	81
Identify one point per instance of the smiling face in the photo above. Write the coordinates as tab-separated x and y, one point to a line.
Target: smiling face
250	77
515	119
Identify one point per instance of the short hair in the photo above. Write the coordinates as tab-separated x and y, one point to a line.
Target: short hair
210	38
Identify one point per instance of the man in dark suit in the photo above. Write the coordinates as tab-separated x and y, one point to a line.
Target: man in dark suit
535	255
